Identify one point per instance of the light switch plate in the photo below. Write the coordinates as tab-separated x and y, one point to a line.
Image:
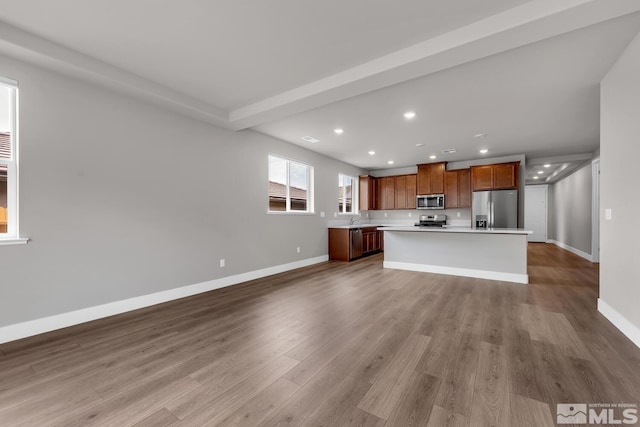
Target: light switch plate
608	214
321	214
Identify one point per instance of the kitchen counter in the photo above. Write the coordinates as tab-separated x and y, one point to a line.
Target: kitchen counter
496	254
353	226
450	229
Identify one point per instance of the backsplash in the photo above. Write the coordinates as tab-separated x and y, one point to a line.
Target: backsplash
401	217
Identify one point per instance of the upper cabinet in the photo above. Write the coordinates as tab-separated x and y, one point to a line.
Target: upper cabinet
502	176
430	178
386	193
405	186
457	188
367	193
505	176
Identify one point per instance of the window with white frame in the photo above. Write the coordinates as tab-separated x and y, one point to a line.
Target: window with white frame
8	159
346	194
290	185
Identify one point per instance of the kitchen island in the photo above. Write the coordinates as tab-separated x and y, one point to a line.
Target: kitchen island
496	254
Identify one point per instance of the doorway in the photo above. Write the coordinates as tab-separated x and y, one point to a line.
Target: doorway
535	212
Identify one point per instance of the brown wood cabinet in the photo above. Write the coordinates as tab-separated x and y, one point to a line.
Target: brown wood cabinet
505	176
370	240
464	188
405	191
457	188
501	176
430	179
367	193
386	190
343	248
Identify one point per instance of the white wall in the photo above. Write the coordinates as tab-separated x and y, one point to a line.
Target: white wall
570	210
619	153
123	199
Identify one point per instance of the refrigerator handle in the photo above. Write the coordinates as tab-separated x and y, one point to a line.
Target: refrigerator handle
491	219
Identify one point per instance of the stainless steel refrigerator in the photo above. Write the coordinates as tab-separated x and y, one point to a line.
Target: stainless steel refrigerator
495	209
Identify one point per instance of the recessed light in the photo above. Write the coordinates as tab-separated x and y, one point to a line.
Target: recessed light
540	172
480	135
390	162
547	165
339	131
433	156
419	145
310	139
484	151
371	153
535	177
409	115
449	151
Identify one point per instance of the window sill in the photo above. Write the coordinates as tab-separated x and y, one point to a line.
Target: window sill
289	213
13	241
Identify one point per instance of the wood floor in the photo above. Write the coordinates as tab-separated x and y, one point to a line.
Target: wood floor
335	344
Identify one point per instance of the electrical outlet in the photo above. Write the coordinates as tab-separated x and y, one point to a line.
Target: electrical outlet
335	214
458	214
385	214
298	249
409	214
608	214
321	214
222	262
367	214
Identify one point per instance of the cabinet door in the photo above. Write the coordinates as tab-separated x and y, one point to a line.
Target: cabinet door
505	176
411	191
482	177
424	179
367	193
386	192
437	178
401	192
451	189
464	188
339	244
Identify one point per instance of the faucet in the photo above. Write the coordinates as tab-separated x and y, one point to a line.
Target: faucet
354	219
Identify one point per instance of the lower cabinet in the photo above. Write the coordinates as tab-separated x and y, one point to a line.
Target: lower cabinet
347	244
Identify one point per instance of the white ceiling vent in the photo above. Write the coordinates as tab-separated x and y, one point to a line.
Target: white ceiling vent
449	151
310	139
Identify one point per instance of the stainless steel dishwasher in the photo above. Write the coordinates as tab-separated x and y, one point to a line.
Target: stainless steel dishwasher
356	243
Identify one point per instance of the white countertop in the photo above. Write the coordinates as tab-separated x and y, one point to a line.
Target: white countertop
449	229
363	226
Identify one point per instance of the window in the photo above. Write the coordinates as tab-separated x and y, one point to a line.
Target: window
290	186
8	160
346	194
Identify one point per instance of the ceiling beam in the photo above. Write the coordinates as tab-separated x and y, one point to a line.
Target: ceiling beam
519	26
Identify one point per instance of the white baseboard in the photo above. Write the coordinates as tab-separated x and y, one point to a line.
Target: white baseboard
454	271
571	249
619	321
63	320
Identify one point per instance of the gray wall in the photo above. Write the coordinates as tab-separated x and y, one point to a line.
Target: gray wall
570	210
619	153
123	199
551	212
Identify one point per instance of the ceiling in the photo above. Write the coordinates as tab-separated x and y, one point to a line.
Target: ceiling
525	73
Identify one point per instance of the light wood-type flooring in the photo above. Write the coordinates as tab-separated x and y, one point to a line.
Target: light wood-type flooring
335	344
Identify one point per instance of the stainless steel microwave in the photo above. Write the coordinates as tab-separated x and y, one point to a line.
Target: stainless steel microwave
430	201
